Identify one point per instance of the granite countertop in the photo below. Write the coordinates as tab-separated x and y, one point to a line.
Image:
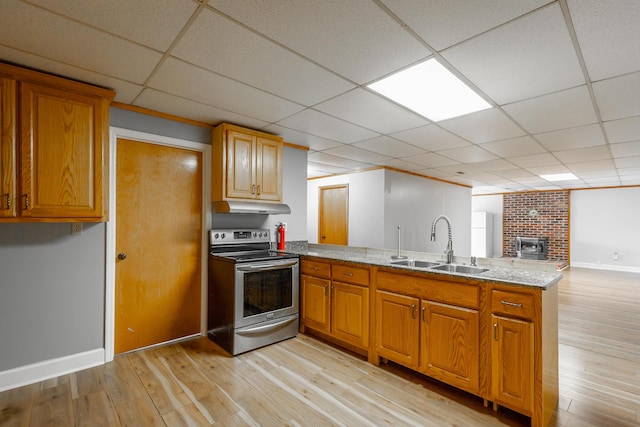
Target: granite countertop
510	271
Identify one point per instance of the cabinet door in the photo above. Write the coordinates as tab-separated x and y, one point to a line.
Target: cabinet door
269	169
62	154
7	147
350	313
450	344
241	165
315	302
397	328
512	363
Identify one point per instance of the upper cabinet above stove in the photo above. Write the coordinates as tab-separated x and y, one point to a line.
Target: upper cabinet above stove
247	165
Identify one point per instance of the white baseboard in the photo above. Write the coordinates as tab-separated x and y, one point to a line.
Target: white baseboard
52	368
626	268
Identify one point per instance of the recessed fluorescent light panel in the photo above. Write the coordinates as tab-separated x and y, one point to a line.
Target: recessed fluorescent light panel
430	90
559	177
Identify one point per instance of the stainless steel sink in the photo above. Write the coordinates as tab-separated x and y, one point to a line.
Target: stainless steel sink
457	268
412	263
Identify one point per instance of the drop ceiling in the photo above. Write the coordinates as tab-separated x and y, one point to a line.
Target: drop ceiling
563	77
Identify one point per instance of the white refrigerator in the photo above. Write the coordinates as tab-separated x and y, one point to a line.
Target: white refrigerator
482	234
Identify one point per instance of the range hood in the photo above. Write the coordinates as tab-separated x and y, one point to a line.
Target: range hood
242	207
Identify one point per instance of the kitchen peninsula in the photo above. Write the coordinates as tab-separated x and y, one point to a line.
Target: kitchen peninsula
490	329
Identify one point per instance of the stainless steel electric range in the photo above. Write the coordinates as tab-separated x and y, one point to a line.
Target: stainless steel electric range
253	292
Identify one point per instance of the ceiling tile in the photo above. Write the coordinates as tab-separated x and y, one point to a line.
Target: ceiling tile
628	172
584	154
630	179
567	139
400	164
153	23
527	57
220	45
348	37
514	147
593	165
371	111
431	160
431	138
603	182
534	160
328	159
389	147
179	78
619	97
628	162
181	107
303	139
125	92
626	149
471	154
494	166
548	169
483	126
31	29
445	23
560	110
608	33
515	173
598	173
351	152
324	169
323	125
623	130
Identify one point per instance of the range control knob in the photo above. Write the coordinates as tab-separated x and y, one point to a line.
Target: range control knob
222	235
215	236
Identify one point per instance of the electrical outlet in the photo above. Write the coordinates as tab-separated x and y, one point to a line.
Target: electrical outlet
76	228
615	256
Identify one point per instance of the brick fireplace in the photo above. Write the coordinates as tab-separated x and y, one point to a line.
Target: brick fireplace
537	214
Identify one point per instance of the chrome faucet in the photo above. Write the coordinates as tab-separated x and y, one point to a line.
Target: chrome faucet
449	251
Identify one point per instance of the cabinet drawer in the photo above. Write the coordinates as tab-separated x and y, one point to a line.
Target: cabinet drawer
350	274
512	304
315	268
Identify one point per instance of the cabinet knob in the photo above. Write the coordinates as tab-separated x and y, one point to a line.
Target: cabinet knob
122	256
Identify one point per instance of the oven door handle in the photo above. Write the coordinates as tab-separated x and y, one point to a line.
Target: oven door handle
257	330
265	267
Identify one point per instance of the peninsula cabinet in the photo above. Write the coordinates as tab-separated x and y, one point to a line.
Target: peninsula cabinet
430	326
335	301
247	165
53	151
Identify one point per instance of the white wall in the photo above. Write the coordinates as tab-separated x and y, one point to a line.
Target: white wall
413	202
366	207
380	200
492	204
603	222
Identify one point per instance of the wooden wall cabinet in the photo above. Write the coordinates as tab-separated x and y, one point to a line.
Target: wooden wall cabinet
335	301
247	165
54	148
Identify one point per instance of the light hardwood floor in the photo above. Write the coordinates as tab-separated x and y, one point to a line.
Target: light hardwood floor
305	382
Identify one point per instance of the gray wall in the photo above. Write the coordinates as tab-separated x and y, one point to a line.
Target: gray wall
52	284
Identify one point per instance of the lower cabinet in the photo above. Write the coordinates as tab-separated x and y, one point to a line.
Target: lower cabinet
335	301
439	340
512	363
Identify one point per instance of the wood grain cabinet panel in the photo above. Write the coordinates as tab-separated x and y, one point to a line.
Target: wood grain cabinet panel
397	328
247	165
450	344
8	117
56	168
343	293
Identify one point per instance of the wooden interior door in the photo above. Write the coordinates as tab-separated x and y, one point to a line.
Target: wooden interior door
158	243
334	215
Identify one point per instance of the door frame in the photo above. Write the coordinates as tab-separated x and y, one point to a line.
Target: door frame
110	254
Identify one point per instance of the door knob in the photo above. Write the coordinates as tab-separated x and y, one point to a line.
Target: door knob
122	256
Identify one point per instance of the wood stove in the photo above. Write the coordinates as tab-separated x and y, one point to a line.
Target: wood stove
532	247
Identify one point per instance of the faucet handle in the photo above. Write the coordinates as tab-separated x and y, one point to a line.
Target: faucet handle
473	260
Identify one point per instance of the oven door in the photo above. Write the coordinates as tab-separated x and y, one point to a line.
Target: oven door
266	290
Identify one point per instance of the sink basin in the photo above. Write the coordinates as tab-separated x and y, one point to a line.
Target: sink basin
412	263
456	268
